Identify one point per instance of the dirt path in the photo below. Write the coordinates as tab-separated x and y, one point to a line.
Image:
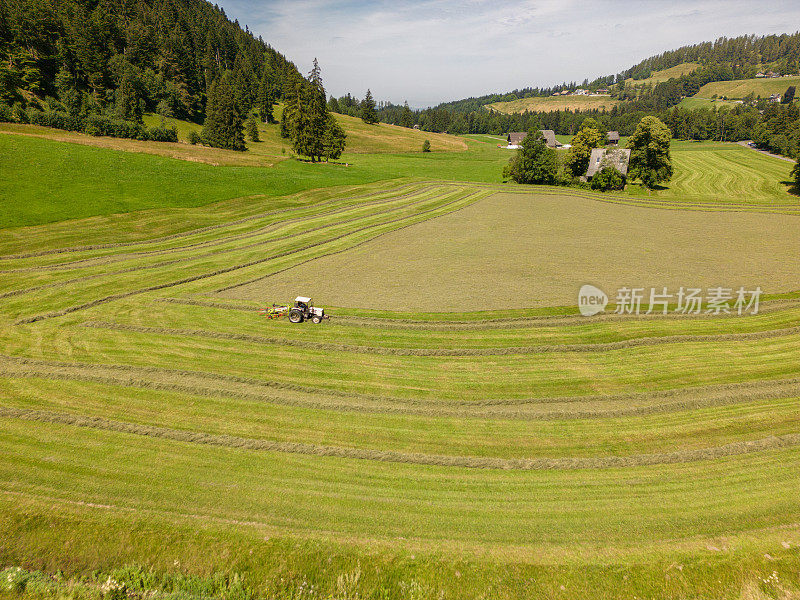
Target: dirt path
746	144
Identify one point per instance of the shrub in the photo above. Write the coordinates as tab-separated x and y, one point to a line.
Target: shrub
56	119
252	129
162	134
426	146
101	125
15	579
194	138
608	178
6	116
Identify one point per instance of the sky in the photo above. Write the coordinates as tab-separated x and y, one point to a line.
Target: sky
432	51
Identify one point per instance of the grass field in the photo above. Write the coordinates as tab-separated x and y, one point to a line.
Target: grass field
741	88
695	103
666	74
455	430
506	243
149	416
552	103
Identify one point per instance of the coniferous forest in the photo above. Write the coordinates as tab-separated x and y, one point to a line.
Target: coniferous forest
97	66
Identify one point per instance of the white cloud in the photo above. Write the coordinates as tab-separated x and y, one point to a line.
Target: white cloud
437	50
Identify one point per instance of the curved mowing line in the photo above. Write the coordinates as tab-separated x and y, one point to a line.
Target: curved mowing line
493	323
101	260
473	198
473	462
488	351
108	260
202	229
161	286
666	204
214	385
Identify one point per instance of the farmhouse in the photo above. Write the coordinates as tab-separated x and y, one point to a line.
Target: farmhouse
601	158
613	138
515	138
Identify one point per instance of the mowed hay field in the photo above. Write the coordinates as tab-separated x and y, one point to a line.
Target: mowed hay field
740	88
532	250
149	416
553	103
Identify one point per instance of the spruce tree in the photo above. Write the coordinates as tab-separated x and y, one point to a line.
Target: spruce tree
407	117
223	126
333	142
312	118
368	109
252	128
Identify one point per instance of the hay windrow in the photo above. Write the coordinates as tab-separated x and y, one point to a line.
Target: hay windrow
102	260
491	323
202	229
285	393
472	462
491	351
161	286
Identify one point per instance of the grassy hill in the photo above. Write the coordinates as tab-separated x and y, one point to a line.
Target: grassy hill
666	74
695	103
741	88
552	103
361	138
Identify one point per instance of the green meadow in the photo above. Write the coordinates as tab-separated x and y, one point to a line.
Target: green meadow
454	430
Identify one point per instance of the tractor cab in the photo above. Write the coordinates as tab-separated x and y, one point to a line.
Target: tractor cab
304	309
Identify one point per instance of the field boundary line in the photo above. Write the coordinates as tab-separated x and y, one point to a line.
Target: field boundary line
790	440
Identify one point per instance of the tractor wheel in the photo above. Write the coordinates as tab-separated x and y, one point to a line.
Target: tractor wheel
316	319
295	316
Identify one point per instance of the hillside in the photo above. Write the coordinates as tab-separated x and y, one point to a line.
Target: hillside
554	103
127	57
665	74
741	88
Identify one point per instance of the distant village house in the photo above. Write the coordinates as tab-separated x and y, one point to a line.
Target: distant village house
515	138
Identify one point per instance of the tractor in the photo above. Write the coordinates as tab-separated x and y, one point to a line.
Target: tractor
303	309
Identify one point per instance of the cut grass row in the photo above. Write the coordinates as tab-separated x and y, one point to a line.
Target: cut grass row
318	494
680	436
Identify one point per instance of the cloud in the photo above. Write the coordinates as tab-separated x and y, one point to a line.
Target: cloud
436	50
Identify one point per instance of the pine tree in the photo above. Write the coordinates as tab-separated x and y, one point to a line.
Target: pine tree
333	142
312	118
368	109
407	117
223	126
252	128
266	95
128	105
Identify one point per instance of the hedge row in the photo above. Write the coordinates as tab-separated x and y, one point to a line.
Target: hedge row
96	125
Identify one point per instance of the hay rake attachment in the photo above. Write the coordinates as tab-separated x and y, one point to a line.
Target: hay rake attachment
276	311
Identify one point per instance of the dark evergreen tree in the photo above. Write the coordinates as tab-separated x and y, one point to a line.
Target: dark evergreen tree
252	128
223	126
334	140
407	118
368	109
